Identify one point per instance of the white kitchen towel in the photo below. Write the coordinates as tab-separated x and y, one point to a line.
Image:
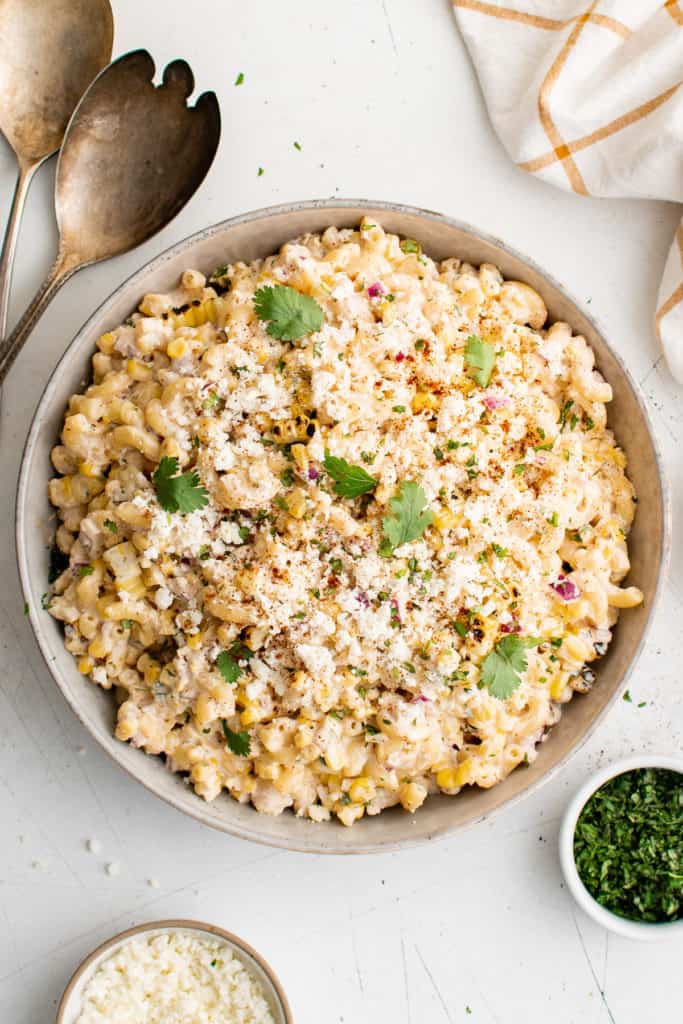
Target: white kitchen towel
587	96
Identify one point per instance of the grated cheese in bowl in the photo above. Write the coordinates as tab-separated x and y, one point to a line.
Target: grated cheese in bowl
175	977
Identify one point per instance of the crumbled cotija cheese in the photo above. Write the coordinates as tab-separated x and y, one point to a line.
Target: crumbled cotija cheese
173	978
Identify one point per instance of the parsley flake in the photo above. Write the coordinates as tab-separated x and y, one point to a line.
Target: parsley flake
289	314
178	493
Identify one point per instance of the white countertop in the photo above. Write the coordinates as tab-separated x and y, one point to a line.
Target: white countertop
381	96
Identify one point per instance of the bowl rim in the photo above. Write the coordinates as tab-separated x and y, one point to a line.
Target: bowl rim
631	929
128	284
175	924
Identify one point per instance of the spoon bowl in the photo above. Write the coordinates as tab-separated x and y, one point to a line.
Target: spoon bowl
132	157
50	51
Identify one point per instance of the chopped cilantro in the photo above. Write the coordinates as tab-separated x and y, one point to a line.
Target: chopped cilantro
85	570
178	493
238	742
111	526
627	696
289	314
349	481
519	468
480	357
628	845
500	552
240	78
409	246
502	668
408	519
228	662
398	408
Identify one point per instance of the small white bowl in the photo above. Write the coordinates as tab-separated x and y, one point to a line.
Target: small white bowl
70	1004
643	930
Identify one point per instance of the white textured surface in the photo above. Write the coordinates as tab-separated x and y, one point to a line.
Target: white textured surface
383	101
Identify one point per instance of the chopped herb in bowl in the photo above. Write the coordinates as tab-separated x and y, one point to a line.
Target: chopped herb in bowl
628	845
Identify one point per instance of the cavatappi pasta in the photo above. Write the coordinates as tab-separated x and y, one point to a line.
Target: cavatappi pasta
355	679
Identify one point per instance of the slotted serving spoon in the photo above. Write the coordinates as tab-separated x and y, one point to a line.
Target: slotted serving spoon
133	155
50	51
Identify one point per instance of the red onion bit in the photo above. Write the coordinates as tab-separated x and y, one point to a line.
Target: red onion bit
495	401
510	627
566	589
376	291
313	473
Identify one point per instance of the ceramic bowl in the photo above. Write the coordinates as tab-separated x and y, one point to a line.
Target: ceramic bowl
259	234
642	930
70	1004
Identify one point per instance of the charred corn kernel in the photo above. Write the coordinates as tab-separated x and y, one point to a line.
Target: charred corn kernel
300	455
445	519
194	642
152	672
125	730
97	648
107	342
362	790
138	370
85	665
88	469
412	795
424	400
176	349
296	503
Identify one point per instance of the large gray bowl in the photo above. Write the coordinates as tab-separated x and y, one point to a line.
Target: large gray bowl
259	234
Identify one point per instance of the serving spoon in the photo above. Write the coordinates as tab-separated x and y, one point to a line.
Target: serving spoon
50	51
133	155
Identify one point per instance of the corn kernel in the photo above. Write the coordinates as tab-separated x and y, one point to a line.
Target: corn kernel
412	795
87	469
362	790
249	716
152	672
97	648
424	400
194	642
107	342
176	348
445	520
138	370
133	586
296	503
124	730
85	665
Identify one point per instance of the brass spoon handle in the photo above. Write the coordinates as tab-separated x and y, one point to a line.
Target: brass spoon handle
11	346
9	245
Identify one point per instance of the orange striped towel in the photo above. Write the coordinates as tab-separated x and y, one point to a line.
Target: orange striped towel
587	95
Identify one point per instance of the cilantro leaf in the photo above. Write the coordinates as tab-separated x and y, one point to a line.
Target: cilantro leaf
228	662
238	742
480	356
289	314
178	493
349	481
502	668
408	519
